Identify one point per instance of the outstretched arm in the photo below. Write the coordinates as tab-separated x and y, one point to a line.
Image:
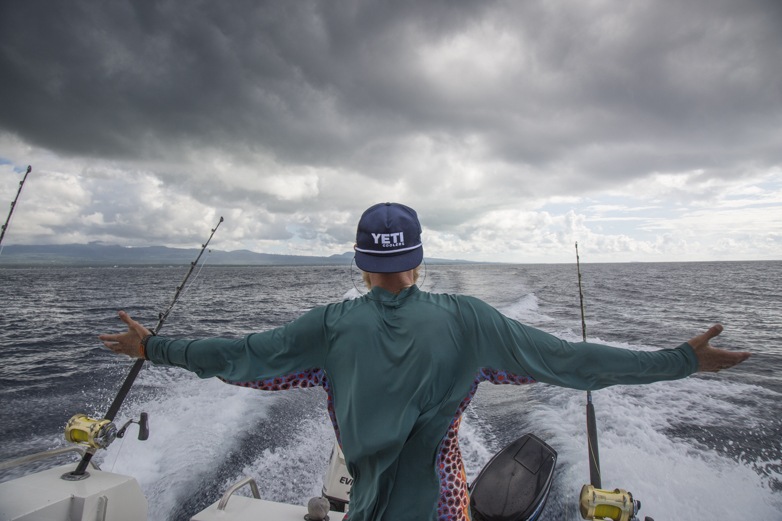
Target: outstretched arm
126	343
711	359
510	346
297	346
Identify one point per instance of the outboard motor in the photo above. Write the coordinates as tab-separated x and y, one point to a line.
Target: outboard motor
515	483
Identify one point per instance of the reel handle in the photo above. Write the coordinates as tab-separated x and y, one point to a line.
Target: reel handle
143	427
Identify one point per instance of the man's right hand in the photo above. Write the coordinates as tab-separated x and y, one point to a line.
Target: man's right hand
711	359
126	343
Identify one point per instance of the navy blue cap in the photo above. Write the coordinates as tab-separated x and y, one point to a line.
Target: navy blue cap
388	239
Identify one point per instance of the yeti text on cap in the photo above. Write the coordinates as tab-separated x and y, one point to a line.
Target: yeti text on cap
385	239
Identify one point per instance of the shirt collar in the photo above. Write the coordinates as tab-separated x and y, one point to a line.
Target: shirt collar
383	295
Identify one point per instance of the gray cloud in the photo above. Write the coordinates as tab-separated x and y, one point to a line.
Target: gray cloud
114	79
290	110
315	82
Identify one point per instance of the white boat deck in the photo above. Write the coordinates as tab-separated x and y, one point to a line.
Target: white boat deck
105	496
240	508
44	496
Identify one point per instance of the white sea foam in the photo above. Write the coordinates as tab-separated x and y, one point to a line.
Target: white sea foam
526	310
675	478
351	294
193	426
474	445
293	472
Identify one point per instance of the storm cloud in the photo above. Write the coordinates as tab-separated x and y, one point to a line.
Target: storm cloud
505	124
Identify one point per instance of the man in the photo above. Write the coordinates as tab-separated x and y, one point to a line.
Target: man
400	365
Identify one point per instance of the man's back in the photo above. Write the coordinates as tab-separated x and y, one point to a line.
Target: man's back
399	366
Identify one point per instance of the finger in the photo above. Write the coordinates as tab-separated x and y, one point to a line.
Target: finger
111	338
126	318
133	325
713	331
713	360
730	358
703	338
118	349
122	349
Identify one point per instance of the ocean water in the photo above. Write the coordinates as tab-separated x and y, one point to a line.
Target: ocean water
705	448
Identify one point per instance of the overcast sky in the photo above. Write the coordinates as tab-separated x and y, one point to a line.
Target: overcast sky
647	130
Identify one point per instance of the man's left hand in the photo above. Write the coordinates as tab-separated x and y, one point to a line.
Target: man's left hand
711	359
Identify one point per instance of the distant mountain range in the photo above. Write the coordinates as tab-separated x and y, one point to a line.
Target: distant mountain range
99	254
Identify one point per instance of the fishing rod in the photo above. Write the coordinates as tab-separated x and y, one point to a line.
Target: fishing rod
98	434
13	205
594	454
594	502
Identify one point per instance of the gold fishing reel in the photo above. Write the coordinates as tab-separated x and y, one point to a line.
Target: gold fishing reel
89	432
617	505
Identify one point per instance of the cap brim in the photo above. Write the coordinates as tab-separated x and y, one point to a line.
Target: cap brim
390	263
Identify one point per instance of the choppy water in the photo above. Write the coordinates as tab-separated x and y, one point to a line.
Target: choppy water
704	448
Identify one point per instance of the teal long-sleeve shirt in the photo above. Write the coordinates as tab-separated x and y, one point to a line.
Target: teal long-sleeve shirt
399	371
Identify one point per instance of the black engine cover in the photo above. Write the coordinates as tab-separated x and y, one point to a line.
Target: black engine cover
514	484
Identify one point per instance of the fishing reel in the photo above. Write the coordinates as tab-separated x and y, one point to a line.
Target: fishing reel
99	433
617	505
89	432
